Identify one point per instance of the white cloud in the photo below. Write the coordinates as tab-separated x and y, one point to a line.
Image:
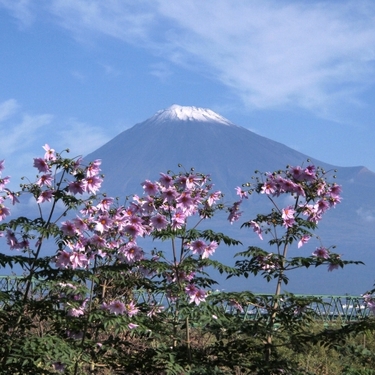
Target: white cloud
79	76
366	214
110	70
7	109
23	132
316	55
161	70
26	134
124	19
20	9
80	138
309	54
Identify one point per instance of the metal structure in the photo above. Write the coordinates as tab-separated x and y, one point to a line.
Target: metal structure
328	308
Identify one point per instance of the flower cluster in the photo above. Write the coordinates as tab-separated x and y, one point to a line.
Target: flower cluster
313	196
4	211
110	232
369	301
234	210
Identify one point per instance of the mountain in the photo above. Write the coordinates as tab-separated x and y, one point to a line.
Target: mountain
200	138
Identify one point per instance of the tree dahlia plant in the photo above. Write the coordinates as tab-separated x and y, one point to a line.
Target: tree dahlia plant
94	295
82	307
283	324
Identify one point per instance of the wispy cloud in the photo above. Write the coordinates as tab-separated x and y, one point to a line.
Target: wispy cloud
309	53
7	109
366	214
110	70
161	70
80	138
21	10
30	132
22	130
316	55
125	19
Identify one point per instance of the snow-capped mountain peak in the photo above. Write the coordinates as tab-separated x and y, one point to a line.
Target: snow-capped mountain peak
188	113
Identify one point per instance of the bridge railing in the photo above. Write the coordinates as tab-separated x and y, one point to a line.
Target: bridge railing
329	308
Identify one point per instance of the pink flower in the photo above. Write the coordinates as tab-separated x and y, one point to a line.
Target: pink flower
50	153
76	312
198	247
79	224
196	295
287	213
41	165
313	213
93	168
333	200
310	174
214	197
256	228
369	302
288	223
131	252
178	219
159	222
236	305
297	173
303	240
76	187
78	259
156	309
4	212
165	180
92	184
68	228
185	202
45	179
105	204
12	196
134	230
192	181
291	187
268	188
169	194
116	307
62	259
321	252
321	188
149	187
332	267
103	223
322	205
210	249
45	196
234	212
241	193
335	190
132	325
131	309
12	241
4	181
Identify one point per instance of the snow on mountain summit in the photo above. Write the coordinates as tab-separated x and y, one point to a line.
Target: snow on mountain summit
188	113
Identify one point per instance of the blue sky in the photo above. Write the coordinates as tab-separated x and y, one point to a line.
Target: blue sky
75	73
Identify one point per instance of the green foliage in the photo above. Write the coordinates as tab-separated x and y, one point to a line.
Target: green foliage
98	304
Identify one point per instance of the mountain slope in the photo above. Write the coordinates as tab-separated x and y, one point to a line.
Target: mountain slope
200	138
230	153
